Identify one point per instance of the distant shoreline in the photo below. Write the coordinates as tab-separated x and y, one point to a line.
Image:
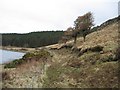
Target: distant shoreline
17	49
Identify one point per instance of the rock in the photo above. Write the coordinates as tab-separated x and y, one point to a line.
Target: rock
101	52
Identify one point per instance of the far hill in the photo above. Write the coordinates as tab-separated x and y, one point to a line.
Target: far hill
33	39
89	64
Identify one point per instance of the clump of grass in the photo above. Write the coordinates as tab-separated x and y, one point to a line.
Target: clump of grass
37	55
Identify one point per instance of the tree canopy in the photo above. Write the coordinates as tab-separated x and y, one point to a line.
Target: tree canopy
82	25
33	39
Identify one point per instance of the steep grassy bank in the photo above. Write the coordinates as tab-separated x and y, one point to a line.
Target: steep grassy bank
26	72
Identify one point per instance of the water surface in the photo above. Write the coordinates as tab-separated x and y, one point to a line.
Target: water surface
7	56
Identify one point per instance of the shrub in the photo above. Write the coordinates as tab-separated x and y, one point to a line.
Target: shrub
38	54
14	63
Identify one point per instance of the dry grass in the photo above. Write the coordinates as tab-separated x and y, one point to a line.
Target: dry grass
107	37
95	68
104	37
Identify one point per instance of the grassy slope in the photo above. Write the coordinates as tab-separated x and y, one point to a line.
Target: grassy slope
67	68
91	69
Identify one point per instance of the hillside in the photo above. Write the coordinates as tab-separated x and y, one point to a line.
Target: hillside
31	40
89	64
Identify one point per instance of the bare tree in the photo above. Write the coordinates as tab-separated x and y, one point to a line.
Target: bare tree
83	24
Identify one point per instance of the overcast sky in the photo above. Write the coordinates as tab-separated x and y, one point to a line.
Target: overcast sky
23	16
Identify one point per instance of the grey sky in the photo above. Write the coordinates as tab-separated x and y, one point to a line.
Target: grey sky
23	16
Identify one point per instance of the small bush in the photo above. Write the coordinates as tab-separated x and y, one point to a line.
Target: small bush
38	54
14	63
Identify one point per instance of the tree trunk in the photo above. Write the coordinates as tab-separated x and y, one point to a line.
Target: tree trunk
84	38
75	39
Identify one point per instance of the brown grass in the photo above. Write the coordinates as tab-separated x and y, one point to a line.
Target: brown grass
95	68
